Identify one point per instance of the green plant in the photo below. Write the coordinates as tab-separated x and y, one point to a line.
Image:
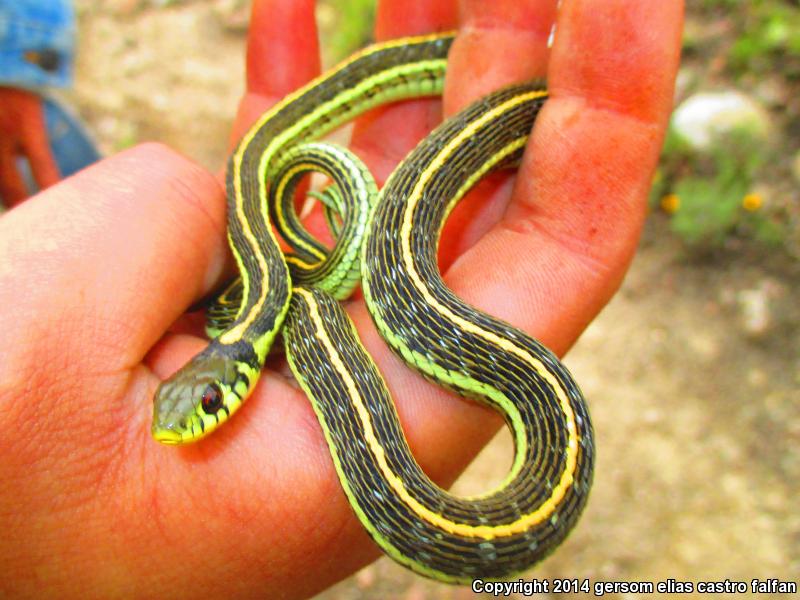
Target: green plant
352	27
769	32
765	32
709	194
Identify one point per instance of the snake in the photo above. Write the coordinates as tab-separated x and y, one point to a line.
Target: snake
388	240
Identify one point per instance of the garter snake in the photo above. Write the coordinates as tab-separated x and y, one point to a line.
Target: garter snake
413	520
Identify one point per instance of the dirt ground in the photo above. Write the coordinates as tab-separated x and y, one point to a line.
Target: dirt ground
692	372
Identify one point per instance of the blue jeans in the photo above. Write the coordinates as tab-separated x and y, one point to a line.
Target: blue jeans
37	46
37	43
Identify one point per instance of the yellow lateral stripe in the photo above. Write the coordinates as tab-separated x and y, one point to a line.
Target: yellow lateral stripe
242	273
559	491
300	263
317	81
278	206
234	334
478	531
476	176
253	131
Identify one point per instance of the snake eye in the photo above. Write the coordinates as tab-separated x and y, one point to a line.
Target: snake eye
211	400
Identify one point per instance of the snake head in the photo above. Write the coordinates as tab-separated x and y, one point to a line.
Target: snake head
200	396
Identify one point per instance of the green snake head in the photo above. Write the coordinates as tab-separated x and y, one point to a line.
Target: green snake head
200	396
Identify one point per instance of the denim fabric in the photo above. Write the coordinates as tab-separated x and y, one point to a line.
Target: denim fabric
72	145
37	40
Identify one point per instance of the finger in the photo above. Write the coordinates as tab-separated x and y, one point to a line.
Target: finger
384	136
517	274
282	55
12	187
580	198
36	146
397	18
282	49
109	258
499	43
444	432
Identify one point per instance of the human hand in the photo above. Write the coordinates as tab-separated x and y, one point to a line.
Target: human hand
23	133
96	269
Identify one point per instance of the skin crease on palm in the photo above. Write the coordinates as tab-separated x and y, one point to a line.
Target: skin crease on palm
95	271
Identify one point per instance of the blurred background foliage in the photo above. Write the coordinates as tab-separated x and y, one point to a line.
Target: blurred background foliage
742	185
345	26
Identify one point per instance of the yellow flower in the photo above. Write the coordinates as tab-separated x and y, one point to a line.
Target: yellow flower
752	202
670	203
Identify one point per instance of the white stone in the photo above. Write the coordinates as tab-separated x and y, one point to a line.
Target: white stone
702	118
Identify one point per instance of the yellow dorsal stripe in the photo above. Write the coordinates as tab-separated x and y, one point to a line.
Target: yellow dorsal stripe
559	491
463	529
